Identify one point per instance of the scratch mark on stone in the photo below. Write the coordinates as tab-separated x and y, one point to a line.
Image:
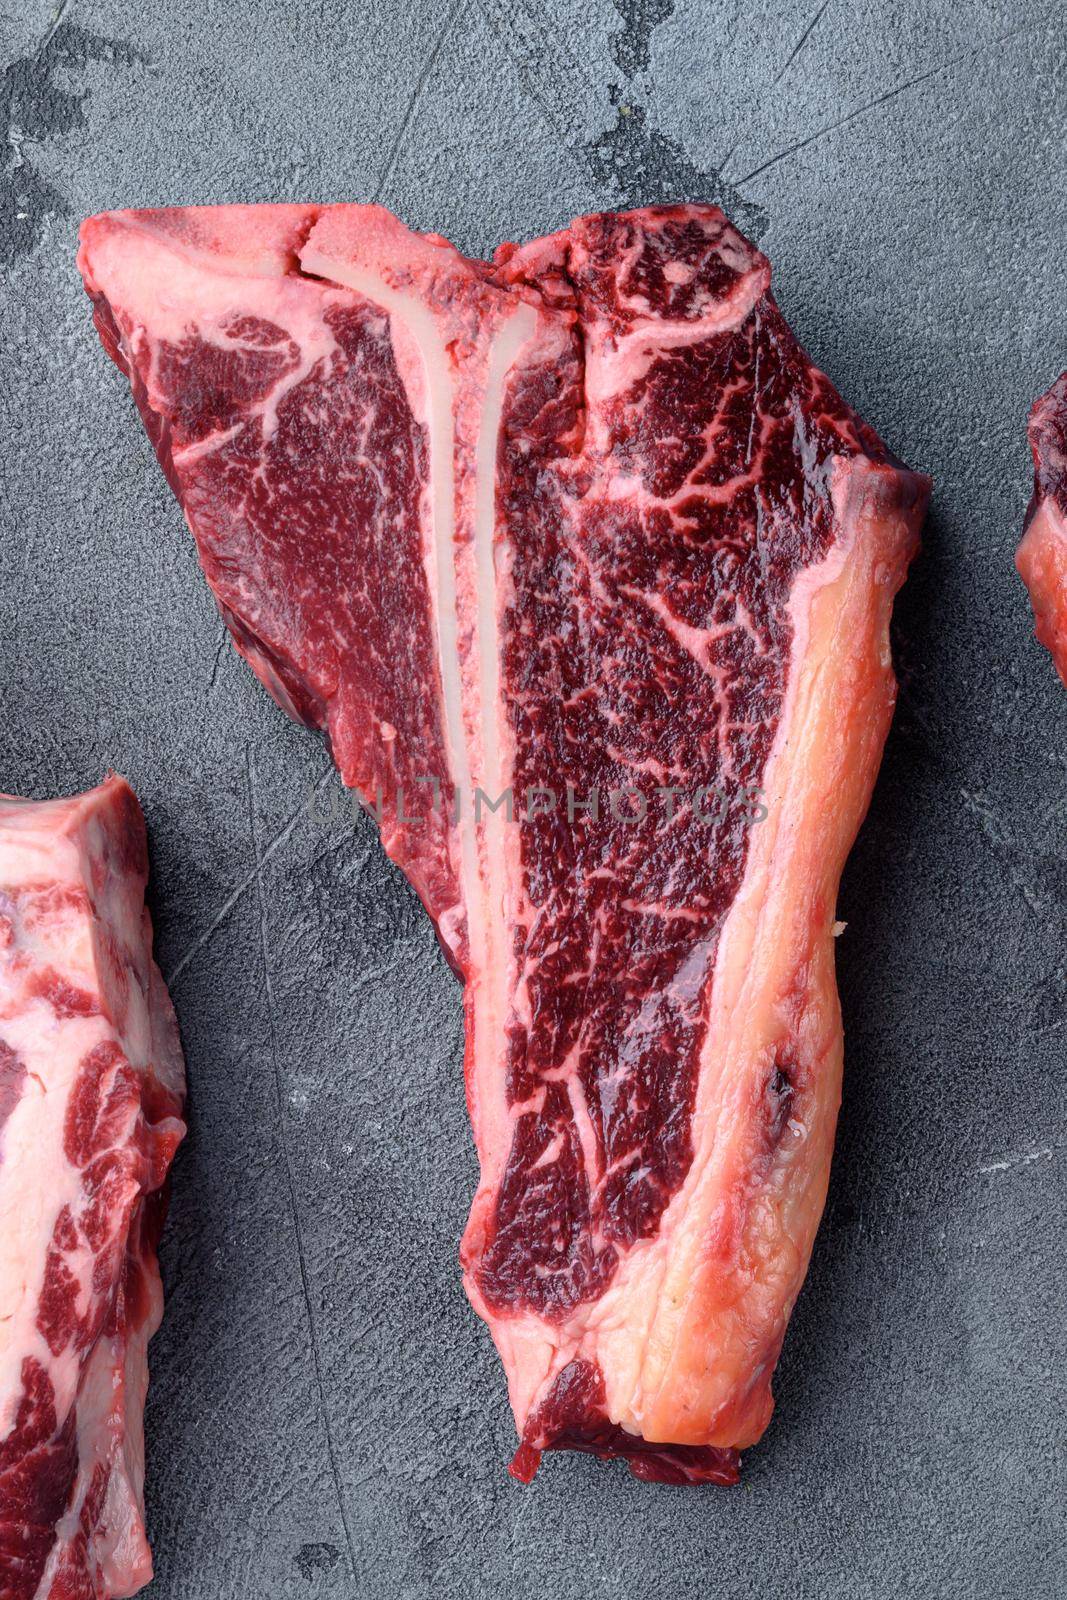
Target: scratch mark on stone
796	51
801	43
268	982
879	100
57	18
842	122
1026	1159
416	96
218	657
216	922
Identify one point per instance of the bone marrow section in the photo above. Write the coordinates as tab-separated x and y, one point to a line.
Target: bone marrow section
575	555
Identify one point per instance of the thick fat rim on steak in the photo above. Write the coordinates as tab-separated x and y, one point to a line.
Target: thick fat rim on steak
1042	555
580	563
91	1091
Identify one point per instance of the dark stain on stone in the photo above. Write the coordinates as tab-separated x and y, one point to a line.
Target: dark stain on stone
312	1558
35	109
632	163
635	159
647	167
631	46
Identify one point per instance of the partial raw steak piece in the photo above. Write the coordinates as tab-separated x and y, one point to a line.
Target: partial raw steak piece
91	1088
1042	556
584	532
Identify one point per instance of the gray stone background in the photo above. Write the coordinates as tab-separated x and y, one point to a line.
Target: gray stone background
327	1417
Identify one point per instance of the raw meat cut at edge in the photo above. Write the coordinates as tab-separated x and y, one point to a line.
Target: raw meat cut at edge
842	609
85	1014
1042	555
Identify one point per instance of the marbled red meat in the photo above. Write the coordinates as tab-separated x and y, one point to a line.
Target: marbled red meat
1042	555
584	532
91	1089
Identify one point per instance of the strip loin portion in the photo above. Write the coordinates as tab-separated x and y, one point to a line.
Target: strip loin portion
91	1093
577	559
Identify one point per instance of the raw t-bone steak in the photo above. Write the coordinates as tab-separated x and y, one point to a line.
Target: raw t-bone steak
581	528
1042	556
91	1090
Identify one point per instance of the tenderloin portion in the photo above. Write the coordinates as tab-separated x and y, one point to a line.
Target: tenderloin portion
91	1091
1042	555
579	562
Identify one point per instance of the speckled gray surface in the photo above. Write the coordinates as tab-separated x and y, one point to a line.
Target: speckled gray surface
327	1418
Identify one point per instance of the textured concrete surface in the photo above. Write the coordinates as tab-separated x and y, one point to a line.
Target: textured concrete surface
327	1418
